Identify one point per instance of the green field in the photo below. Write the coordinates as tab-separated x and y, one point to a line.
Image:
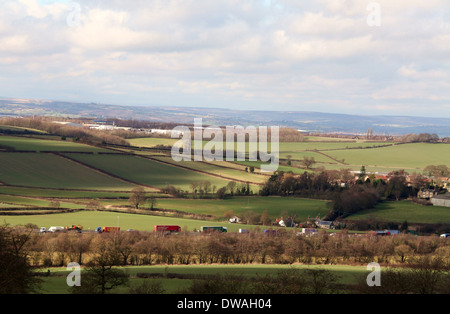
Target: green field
146	171
37	144
336	154
56	283
151	141
33	179
51	171
93	219
213	168
405	210
405	156
13	201
275	206
55	193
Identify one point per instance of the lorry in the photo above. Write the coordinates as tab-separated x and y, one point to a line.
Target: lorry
74	227
107	229
56	229
167	229
213	229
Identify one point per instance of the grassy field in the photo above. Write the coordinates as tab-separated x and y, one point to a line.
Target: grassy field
72	194
148	172
275	206
56	283
405	156
93	219
51	171
405	210
212	167
19	200
334	153
37	144
71	182
151	141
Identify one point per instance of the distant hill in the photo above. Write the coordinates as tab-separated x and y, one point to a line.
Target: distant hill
304	120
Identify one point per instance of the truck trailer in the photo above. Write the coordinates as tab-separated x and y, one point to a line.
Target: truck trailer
213	229
167	229
107	229
56	229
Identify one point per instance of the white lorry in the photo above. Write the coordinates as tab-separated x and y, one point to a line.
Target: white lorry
55	229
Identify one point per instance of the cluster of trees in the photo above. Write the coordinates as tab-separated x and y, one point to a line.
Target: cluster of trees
308	184
352	200
437	171
204	189
347	193
419	138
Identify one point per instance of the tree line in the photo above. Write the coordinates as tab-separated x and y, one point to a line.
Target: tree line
21	251
151	248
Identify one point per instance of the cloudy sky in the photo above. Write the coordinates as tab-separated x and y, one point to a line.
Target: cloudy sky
342	56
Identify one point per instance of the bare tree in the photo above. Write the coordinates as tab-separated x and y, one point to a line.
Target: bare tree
137	197
102	273
16	274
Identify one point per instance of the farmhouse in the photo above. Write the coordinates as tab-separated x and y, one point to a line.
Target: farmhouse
441	200
427	194
235	219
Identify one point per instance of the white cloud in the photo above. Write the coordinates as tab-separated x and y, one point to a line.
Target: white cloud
411	72
285	54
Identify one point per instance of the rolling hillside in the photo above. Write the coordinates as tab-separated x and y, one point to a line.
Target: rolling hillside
36	171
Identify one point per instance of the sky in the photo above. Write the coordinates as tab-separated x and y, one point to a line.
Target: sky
387	57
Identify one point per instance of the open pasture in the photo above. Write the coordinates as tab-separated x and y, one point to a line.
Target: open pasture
213	168
38	144
410	157
275	206
405	211
146	171
151	141
51	171
56	283
13	201
64	194
93	219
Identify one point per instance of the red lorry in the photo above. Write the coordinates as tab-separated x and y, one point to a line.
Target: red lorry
107	229
167	228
